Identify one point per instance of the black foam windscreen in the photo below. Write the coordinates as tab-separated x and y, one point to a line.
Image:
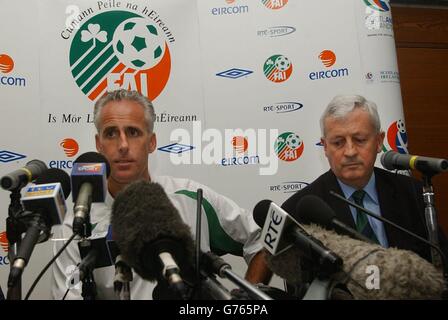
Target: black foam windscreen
261	211
312	209
144	223
54	175
93	157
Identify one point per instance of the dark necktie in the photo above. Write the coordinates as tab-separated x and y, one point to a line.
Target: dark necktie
362	223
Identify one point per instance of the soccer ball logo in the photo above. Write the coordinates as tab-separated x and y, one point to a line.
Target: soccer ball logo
397	137
289	146
277	68
293	141
282	63
137	44
401	126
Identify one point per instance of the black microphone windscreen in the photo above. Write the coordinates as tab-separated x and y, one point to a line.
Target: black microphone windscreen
261	211
54	175
93	157
145	221
312	209
387	159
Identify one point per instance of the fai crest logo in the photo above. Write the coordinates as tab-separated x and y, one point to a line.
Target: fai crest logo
277	68
378	5
397	137
274	4
119	49
289	146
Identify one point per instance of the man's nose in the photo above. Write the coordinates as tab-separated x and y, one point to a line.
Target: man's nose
350	149
123	143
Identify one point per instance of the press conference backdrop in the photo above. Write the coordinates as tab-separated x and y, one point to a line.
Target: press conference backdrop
266	67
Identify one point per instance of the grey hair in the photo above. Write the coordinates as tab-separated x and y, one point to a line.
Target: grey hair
341	105
122	94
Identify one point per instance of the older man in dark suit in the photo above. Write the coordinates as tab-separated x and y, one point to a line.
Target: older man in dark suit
352	138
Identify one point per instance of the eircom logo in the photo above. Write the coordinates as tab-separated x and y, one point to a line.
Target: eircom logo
240	144
379	5
397	137
120	49
277	68
5	247
328	59
289	146
274	4
70	147
7	66
6	63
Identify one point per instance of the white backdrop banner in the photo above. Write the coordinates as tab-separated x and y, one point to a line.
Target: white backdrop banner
238	87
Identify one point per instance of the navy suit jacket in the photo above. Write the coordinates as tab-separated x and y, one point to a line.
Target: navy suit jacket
400	199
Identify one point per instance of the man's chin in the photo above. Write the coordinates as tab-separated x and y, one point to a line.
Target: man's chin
353	178
125	178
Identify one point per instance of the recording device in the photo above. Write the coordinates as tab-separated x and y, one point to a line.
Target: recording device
46	202
89	184
392	160
151	235
21	177
312	209
281	231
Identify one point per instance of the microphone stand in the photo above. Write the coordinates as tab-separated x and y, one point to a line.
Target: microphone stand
434	247
215	264
431	218
123	277
14	229
88	283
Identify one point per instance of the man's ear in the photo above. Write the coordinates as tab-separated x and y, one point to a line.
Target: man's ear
152	143
380	141
97	143
324	144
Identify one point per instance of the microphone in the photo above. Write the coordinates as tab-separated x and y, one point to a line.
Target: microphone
122	279
151	235
436	248
392	160
376	216
89	261
89	184
48	195
21	177
280	231
46	201
372	272
312	209
213	264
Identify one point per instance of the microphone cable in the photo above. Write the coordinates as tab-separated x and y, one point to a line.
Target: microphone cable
199	198
48	265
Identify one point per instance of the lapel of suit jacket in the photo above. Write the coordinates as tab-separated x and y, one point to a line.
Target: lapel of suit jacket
388	201
341	209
